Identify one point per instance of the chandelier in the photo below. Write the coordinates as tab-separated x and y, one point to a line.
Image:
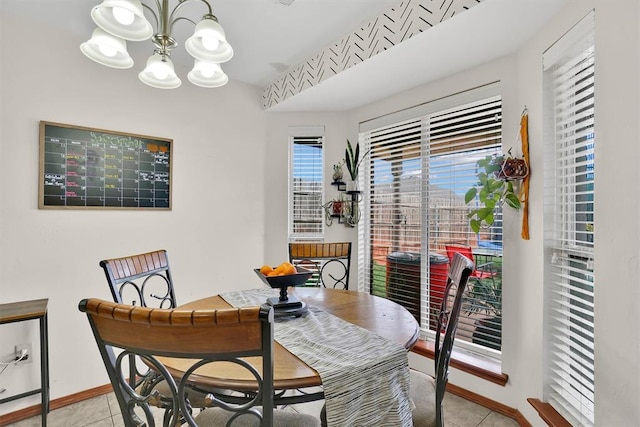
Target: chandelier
122	20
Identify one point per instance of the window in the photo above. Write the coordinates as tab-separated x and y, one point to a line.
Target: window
305	183
418	172
569	224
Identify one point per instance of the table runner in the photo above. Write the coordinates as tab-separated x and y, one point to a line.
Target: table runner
365	377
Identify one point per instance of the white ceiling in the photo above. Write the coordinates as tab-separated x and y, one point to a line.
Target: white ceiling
268	37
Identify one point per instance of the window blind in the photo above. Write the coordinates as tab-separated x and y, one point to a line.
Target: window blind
569	205
458	138
418	172
305	185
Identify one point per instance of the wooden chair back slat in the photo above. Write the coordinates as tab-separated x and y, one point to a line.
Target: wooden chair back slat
329	261
177	331
134	272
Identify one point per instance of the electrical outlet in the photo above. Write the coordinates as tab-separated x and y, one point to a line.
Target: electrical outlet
23	354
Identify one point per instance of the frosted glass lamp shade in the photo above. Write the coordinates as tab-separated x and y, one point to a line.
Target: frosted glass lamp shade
159	73
122	18
106	49
207	74
208	42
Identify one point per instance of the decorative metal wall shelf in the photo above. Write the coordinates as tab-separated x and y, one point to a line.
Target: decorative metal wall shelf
346	211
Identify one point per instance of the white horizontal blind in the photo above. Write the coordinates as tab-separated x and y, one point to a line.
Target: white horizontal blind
394	209
418	173
305	187
569	203
458	138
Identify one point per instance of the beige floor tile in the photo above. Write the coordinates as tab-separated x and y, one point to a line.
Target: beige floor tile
103	411
113	404
30	422
118	421
462	413
80	414
498	420
107	422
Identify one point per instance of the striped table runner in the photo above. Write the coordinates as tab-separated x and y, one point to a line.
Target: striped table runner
365	377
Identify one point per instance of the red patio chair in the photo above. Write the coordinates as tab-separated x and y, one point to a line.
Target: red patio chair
482	271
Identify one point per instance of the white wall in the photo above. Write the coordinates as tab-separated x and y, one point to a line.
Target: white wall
617	261
214	234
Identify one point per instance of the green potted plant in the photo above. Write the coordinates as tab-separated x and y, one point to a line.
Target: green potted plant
352	160
494	188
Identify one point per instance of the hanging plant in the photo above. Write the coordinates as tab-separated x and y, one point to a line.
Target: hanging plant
513	168
494	188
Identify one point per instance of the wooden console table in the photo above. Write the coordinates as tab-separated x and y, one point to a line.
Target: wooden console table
32	310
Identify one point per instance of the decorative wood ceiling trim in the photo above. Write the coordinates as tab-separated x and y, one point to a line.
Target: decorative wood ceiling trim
398	24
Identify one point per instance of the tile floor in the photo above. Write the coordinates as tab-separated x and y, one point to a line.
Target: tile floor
103	411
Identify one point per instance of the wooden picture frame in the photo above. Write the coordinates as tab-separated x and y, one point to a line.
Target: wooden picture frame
88	168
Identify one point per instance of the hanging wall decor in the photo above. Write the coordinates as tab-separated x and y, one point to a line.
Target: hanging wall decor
524	189
87	168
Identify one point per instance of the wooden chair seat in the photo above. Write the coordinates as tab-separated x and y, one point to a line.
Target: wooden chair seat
423	389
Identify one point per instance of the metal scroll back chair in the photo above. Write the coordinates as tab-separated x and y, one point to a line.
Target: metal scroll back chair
330	262
481	271
200	337
143	279
427	392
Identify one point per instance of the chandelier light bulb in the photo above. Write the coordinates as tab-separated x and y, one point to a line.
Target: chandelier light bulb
207	74
106	49
159	67
123	16
201	46
210	43
208	70
159	73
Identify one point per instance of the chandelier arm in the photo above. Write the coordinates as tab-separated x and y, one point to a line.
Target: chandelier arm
179	19
180	4
206	2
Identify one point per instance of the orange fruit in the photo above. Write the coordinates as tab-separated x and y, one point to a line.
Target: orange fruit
289	269
285	268
266	269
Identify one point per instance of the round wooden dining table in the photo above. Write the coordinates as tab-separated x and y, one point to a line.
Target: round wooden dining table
379	315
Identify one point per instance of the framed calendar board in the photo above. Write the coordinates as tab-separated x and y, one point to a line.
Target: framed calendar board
86	168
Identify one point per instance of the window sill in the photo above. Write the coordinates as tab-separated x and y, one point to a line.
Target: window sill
466	362
548	414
